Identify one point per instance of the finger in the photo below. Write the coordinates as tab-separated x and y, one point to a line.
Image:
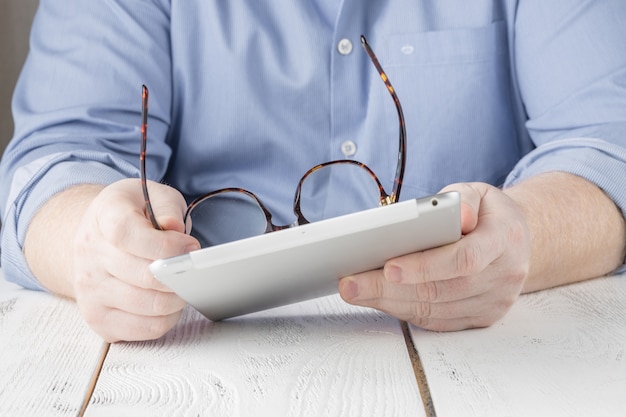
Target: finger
116	294
131	269
167	203
440	291
169	207
402	302
472	312
468	256
471	197
136	273
373	289
373	284
116	325
442	325
96	259
132	233
121	220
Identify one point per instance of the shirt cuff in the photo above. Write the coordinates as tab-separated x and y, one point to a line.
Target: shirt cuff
598	161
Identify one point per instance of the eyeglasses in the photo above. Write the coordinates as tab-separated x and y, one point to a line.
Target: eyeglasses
230	214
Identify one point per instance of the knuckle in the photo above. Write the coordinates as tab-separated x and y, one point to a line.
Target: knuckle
422	310
422	322
505	304
114	222
427	291
117	229
145	277
162	303
518	276
84	243
164	248
377	289
484	320
496	312
467	259
514	280
421	270
82	282
158	326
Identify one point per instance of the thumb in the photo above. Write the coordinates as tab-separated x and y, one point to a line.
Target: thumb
471	197
168	206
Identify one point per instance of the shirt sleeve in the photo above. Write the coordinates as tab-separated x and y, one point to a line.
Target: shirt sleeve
32	185
571	70
77	109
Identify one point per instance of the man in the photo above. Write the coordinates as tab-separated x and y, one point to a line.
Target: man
519	105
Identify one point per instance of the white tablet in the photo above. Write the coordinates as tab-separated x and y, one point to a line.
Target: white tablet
307	261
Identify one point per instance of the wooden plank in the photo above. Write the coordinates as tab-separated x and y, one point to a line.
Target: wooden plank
560	352
310	359
47	354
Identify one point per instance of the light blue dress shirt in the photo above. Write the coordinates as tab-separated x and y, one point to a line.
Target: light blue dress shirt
253	93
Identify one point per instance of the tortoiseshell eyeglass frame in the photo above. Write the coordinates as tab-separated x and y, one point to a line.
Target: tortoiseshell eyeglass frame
385	198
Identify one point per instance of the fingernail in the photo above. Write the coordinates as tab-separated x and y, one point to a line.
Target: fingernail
192	248
393	274
349	289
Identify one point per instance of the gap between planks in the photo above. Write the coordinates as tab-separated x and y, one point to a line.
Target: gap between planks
94	378
418	369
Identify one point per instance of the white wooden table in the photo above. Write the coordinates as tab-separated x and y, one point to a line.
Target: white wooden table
558	353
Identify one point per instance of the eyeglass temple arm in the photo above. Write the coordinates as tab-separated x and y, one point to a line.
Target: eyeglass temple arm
397	184
142	157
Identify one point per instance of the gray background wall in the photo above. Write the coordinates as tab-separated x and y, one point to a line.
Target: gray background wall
15	20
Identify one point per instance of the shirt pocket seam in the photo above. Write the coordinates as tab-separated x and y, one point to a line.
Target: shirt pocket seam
446	47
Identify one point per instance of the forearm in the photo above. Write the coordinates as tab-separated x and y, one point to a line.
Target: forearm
48	242
577	232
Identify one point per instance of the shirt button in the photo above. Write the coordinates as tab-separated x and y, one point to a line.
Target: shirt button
407	49
348	148
344	46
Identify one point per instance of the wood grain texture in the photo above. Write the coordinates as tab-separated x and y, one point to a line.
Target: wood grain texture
47	354
319	358
559	352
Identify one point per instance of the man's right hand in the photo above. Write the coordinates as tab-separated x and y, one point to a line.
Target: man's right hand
101	260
